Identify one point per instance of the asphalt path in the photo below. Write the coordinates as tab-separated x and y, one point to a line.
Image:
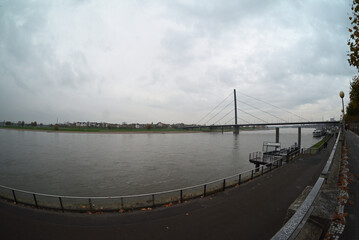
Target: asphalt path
351	230
255	210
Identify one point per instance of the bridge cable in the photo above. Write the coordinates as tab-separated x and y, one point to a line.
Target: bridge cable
214	108
219	112
262	110
239	119
224	116
229	121
273	106
252	115
244	120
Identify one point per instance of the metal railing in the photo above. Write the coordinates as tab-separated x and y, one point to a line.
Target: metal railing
258	156
292	155
295	224
353	126
131	202
313	150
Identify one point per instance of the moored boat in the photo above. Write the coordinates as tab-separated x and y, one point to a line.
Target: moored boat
318	133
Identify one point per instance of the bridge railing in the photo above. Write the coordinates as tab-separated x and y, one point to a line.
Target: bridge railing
131	202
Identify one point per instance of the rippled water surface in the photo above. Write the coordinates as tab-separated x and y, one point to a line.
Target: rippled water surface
85	164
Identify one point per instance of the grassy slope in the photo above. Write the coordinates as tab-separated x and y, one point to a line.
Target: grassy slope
320	143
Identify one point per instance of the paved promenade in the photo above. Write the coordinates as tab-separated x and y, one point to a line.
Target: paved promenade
351	230
255	210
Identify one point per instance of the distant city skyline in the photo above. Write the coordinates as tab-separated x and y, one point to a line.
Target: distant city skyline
172	62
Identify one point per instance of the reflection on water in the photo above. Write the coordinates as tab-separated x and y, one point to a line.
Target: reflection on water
120	164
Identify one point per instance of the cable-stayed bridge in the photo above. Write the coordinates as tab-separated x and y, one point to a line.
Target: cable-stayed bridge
225	115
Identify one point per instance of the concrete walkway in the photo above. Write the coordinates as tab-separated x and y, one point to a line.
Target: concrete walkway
351	230
255	210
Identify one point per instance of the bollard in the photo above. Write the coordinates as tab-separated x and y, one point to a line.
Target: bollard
181	196
204	190
153	200
122	203
239	179
224	184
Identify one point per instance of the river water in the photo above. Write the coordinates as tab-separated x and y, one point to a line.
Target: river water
86	164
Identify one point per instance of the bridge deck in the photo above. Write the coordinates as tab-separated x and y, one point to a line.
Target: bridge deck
266	124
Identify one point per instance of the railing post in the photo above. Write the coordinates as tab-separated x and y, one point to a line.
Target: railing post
62	206
90	204
204	190
122	203
13	194
37	206
224	184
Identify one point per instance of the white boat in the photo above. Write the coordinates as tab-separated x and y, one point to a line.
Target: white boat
318	133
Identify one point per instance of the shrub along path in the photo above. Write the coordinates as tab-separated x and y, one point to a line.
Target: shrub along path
255	210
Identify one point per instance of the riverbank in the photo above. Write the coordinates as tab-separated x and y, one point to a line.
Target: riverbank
102	130
121	130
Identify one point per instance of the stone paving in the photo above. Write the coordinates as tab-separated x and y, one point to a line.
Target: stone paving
339	219
351	209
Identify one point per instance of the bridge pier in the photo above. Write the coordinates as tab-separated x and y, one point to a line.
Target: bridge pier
299	138
235	129
277	134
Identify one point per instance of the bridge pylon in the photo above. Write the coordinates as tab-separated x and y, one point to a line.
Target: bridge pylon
235	127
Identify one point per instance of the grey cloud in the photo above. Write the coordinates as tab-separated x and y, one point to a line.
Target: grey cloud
289	53
215	16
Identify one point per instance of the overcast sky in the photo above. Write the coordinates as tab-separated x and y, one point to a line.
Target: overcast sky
172	61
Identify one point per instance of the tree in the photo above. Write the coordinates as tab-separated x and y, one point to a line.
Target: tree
149	126
353	41
352	113
353	106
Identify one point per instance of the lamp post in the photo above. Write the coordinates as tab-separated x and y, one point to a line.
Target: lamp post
341	94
